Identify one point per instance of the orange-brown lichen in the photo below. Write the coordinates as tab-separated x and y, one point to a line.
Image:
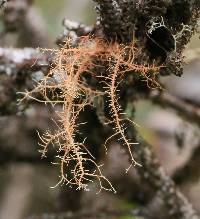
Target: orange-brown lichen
65	85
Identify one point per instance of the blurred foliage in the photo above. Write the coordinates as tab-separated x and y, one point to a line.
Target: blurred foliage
126	205
142	111
49	11
54	11
127	217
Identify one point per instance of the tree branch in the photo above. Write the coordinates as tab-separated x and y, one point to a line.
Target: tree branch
177	205
187	110
73	30
14	60
84	215
18	70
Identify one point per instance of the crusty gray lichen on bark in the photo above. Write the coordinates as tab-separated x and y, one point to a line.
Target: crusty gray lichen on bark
173	23
18	69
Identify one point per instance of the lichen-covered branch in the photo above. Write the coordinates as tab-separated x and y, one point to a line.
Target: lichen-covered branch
110	17
18	69
151	172
74	31
161	28
177	205
14	60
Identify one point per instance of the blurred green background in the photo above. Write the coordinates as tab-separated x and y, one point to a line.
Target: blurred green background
53	12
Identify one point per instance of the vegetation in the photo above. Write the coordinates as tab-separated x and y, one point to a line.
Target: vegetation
92	81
